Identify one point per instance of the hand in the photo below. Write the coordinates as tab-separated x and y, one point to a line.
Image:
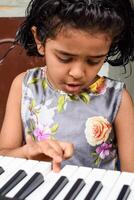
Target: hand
54	149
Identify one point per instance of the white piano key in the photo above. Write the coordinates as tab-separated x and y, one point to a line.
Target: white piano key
124	193
131	196
13	167
1	170
30	167
95	175
82	172
43	188
50	180
15	164
94	191
58	186
35	181
12	182
108	181
75	189
112	181
6	161
67	171
1	157
42	167
124	179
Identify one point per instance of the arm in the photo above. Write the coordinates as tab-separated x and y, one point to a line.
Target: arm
11	132
11	137
124	127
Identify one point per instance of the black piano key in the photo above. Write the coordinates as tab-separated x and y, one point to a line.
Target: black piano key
77	187
35	181
94	191
124	193
1	170
62	181
8	198
12	182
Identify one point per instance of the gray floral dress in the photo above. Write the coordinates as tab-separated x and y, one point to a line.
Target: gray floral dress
86	120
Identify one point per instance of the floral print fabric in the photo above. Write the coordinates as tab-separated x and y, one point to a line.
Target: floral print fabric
86	119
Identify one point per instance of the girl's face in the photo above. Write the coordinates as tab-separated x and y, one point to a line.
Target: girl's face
74	58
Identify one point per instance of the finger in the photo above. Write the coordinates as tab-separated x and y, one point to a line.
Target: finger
53	154
54	144
56	166
52	149
68	149
32	146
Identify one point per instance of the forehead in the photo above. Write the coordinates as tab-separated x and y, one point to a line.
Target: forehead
69	32
81	42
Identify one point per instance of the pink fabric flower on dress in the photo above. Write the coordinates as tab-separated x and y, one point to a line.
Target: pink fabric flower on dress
103	150
40	134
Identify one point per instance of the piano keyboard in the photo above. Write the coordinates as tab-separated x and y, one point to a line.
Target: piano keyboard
34	180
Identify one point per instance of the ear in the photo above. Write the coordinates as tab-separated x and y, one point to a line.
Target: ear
40	46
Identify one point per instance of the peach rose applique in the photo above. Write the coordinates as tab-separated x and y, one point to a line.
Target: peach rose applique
97	130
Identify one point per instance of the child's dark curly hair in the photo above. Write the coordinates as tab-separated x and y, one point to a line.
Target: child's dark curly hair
115	17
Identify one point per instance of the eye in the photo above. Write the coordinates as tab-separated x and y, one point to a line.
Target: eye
93	62
64	59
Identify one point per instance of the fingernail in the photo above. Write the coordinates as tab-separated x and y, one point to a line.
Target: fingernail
56	170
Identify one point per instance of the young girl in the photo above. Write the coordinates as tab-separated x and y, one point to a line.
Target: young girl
65	100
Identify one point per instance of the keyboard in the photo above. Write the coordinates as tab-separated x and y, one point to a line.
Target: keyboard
34	180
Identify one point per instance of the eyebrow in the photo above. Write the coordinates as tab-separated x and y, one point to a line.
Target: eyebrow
71	54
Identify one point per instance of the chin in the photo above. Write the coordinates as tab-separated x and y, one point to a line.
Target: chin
74	92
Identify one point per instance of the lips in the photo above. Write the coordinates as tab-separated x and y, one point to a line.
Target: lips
73	88
73	85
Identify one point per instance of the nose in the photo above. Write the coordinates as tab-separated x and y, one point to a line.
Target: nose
77	71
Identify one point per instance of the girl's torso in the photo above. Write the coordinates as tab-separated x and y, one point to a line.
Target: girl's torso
86	120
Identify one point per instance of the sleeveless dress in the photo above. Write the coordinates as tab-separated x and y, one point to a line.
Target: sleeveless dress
86	120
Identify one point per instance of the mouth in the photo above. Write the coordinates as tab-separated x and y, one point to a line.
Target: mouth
73	88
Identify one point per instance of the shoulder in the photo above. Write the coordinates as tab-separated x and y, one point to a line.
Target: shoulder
23	77
15	92
116	84
112	93
17	82
126	108
126	102
34	74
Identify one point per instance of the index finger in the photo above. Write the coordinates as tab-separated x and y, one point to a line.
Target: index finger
56	166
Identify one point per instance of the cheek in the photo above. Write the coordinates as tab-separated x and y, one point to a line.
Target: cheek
50	62
56	69
91	72
56	73
98	68
53	64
